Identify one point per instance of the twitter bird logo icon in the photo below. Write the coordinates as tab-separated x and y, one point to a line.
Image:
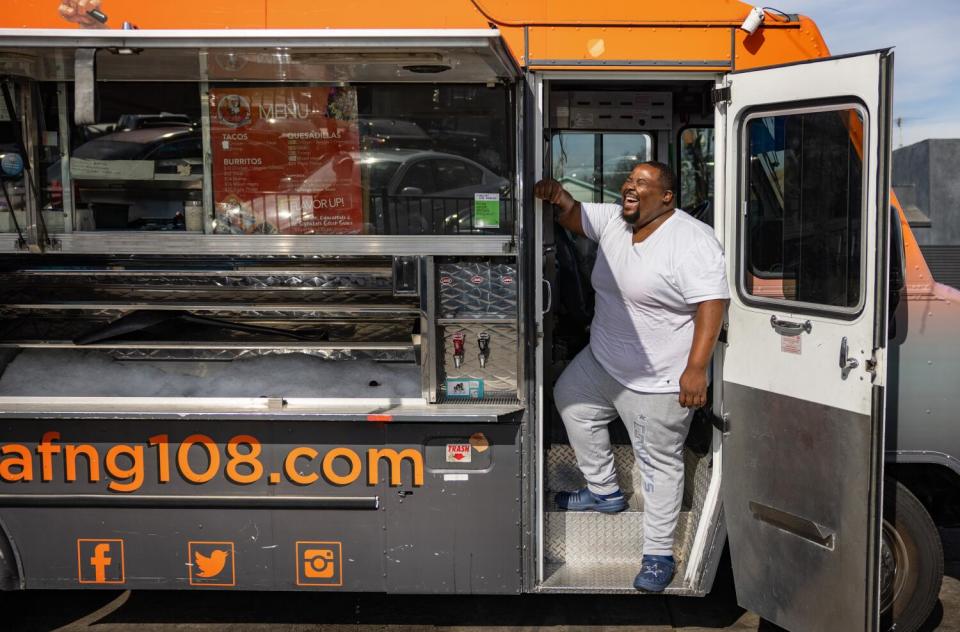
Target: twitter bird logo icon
212	564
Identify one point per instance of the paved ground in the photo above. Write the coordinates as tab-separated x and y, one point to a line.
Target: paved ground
169	611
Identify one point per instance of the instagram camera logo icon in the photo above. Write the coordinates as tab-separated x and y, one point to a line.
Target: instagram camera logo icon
319	564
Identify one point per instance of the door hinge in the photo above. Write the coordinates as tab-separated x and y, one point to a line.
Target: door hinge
870	366
722	422
720	95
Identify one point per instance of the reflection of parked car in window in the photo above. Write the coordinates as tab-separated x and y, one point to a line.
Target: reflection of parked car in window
405	191
382	132
152	199
414	192
129	122
171	147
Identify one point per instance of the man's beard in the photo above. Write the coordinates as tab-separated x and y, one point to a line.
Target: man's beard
630	217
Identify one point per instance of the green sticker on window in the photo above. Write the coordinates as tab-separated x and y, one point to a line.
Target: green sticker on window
486	210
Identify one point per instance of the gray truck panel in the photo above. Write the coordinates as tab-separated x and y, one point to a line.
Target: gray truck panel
454	533
924	380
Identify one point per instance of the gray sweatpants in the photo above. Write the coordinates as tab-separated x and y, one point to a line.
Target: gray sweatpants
588	399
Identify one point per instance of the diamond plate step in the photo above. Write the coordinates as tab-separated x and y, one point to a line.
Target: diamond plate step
588	537
563	474
603	578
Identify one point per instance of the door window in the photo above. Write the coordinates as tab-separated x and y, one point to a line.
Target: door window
695	163
803	196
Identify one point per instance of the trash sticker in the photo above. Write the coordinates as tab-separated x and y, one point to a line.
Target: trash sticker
465	388
459	452
486	210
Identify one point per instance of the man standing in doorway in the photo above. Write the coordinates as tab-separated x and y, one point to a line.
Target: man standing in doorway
661	291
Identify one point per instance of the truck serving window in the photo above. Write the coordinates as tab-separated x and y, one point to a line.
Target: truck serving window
365	159
803	186
295	159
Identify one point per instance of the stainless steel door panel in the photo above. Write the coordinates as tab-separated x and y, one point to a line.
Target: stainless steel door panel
792	447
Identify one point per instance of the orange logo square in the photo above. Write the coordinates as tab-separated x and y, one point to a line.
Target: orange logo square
211	564
100	561
319	564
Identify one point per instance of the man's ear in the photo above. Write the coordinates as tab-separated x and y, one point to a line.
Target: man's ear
667	197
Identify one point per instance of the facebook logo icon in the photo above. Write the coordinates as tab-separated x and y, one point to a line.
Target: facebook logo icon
100	561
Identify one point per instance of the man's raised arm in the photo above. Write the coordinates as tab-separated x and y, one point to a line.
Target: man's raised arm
570	211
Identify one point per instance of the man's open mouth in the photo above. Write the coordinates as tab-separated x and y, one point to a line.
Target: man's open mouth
630	200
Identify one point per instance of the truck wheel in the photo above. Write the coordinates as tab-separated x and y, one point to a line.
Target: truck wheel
911	561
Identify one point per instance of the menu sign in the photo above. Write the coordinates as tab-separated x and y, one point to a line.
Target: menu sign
285	160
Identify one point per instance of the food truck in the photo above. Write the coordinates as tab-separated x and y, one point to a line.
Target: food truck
279	311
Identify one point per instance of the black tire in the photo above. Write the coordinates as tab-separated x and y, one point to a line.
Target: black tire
911	561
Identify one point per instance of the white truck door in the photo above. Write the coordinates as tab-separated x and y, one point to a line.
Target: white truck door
804	371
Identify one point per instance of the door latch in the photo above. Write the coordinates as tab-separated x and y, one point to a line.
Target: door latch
846	364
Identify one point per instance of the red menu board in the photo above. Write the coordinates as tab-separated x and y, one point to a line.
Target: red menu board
286	160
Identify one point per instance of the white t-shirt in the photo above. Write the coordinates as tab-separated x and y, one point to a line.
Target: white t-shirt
647	295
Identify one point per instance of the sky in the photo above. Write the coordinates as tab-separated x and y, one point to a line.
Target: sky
925	35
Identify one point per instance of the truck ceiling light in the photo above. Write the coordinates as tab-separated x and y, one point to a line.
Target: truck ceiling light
427	69
366	57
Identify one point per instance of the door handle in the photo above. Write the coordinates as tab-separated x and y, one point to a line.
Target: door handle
846	364
549	305
789	328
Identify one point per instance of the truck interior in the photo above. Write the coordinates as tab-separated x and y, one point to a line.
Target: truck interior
598	130
802	243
